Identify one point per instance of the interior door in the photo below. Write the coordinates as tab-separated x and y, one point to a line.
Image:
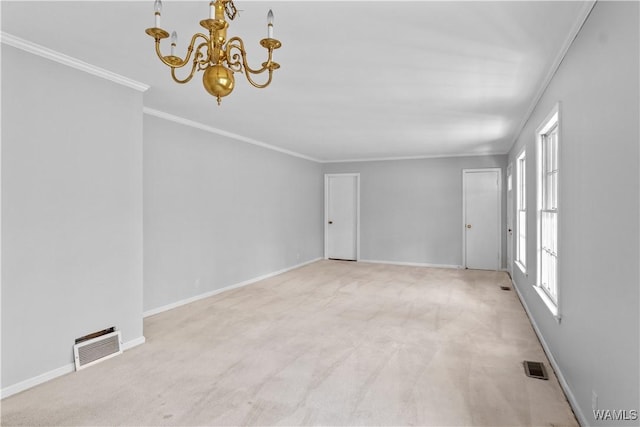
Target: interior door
481	195
341	212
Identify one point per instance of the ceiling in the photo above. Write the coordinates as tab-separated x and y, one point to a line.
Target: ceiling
359	80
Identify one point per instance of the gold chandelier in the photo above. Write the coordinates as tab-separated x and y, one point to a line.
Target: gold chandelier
217	56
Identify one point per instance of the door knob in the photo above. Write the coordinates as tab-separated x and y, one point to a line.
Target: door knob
330	222
468	225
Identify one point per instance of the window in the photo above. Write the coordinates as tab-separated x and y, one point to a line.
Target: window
548	140
521	206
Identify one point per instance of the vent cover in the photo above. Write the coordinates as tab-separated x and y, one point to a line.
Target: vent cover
87	352
505	288
535	370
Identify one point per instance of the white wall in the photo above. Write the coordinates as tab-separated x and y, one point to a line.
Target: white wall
411	210
596	344
219	211
71	212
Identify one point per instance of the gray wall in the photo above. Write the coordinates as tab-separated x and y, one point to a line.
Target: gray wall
218	212
596	344
411	210
71	212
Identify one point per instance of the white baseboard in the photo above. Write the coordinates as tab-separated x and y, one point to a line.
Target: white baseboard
58	372
412	264
189	300
32	382
133	343
563	383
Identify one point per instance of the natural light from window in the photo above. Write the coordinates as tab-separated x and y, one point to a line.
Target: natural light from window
521	220
548	140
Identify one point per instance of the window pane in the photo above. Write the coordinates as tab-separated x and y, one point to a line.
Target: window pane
522	238
552	278
547	154
552	203
521	203
548	209
554	150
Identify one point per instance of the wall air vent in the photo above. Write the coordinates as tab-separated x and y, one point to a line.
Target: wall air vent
535	370
96	347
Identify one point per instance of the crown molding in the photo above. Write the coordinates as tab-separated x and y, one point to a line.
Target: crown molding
197	125
435	156
211	129
44	52
585	11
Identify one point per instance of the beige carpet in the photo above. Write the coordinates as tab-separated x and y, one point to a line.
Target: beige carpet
332	343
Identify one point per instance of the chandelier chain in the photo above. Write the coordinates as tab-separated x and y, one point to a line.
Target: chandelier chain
230	10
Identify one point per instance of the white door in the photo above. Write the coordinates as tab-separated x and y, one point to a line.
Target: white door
341	215
509	219
481	216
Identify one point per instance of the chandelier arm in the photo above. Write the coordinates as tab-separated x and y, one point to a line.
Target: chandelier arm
189	77
197	62
258	85
235	58
201	59
178	62
197	49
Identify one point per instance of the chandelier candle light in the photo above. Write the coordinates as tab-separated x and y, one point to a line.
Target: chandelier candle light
218	57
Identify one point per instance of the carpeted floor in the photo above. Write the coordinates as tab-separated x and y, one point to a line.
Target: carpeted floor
331	343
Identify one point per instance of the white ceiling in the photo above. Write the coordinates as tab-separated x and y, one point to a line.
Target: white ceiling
359	80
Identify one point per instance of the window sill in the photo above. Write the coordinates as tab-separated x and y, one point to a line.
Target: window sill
521	267
553	307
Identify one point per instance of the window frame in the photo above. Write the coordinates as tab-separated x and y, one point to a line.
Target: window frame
547	235
521	211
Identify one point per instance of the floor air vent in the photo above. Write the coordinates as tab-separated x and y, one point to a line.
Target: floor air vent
96	347
505	288
535	370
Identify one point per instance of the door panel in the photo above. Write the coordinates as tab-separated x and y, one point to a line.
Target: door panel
342	215
482	219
